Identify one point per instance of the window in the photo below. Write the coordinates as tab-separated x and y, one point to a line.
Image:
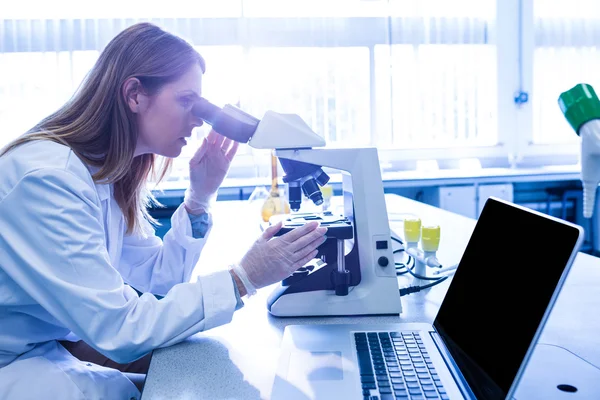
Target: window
35	84
327	87
566	53
412	77
441	95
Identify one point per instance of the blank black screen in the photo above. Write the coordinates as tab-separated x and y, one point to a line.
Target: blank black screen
504	282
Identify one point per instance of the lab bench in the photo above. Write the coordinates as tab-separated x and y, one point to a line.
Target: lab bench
239	360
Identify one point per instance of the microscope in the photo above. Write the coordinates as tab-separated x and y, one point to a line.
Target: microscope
354	271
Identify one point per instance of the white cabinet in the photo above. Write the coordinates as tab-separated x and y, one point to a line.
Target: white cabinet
458	199
467	200
501	191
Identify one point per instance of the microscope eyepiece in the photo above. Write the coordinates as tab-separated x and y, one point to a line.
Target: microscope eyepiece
229	121
206	111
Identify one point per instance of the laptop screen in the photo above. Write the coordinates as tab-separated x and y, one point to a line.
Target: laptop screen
497	299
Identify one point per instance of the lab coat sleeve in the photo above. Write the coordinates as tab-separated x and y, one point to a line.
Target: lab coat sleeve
53	248
153	265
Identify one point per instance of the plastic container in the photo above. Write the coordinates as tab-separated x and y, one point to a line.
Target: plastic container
581	108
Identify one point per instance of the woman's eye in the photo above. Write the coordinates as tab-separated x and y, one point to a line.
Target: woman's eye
185	102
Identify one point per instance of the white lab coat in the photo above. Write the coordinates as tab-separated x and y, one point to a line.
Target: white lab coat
65	267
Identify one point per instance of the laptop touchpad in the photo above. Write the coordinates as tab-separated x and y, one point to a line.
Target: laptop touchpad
316	365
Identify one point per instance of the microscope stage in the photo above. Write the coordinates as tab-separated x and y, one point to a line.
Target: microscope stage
337	226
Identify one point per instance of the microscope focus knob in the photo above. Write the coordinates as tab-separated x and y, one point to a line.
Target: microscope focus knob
383	261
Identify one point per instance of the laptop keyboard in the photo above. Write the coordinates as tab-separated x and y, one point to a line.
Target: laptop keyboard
395	365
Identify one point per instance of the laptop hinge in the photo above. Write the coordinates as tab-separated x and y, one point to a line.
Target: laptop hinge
462	384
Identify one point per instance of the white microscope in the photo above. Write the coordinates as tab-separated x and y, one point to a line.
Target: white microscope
355	271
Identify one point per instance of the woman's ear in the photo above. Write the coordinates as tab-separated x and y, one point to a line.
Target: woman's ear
132	92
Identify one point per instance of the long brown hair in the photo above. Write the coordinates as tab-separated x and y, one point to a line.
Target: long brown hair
99	127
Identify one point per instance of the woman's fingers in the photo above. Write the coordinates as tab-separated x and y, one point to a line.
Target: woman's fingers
302	262
306	250
231	153
307	239
200	152
226	145
212	136
215	138
271	231
222	144
297	233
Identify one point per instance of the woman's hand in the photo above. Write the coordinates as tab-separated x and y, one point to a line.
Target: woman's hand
271	259
208	168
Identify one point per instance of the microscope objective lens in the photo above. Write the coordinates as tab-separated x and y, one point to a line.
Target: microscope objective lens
294	195
318	200
321	177
312	191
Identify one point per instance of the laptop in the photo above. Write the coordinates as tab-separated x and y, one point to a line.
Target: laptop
483	335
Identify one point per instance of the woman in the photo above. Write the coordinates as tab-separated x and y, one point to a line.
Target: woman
77	244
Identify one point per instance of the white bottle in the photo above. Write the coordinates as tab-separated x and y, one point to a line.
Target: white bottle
590	164
581	108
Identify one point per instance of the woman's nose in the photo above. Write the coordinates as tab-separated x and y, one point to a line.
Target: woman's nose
196	121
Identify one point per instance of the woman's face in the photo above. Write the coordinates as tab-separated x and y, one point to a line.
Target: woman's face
165	119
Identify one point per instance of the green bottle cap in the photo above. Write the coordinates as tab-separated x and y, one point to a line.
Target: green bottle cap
579	105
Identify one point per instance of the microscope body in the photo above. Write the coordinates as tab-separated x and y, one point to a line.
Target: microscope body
357	274
367	258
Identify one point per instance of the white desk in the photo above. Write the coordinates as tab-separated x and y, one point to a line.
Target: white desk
238	360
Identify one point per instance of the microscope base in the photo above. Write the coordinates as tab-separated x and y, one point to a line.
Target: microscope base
359	301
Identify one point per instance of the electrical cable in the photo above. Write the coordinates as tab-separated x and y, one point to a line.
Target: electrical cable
403	268
414	289
408	266
397	240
